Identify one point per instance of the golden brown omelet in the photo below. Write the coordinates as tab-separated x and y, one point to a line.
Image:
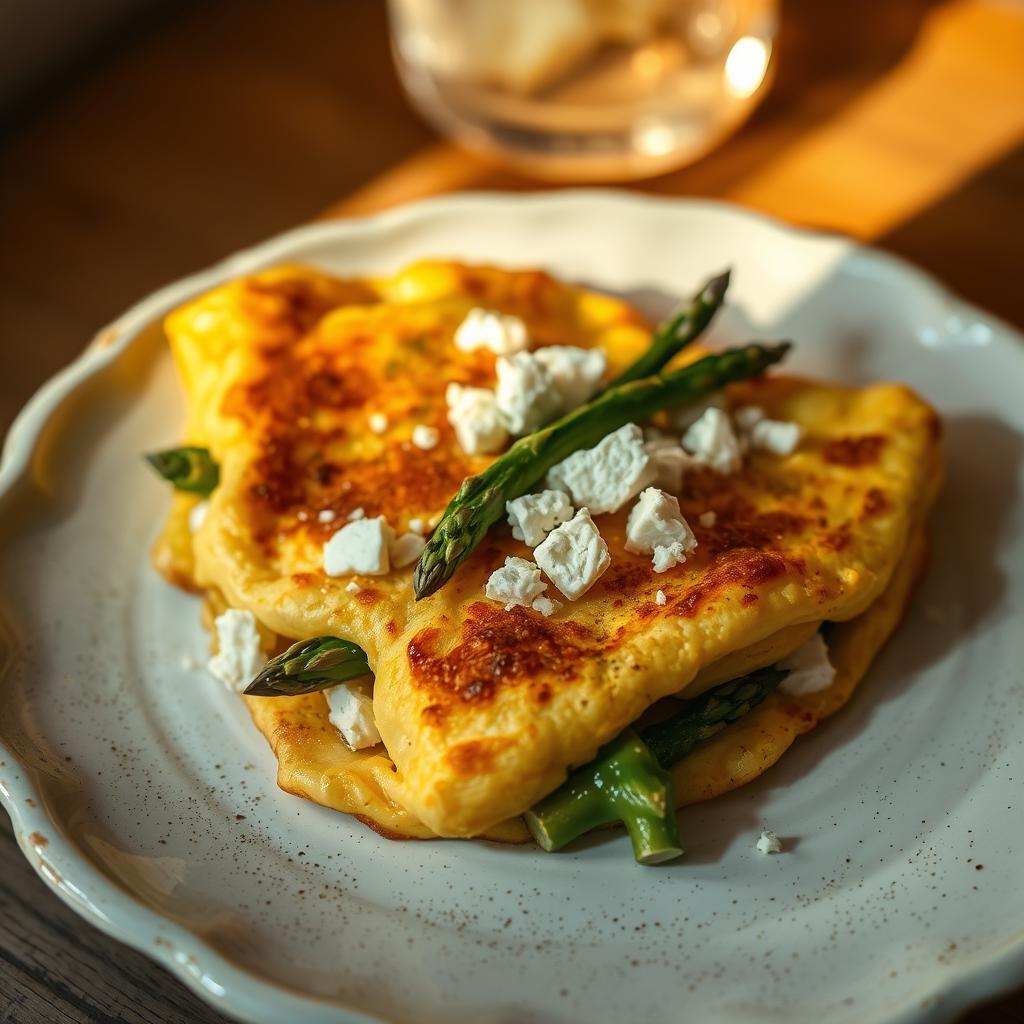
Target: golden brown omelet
483	710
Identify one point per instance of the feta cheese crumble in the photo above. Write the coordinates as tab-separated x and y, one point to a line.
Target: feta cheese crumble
603	478
809	668
425	437
526	393
660	598
353	588
656	526
517	582
485	328
356	513
326	515
707	519
197	516
378	422
238	658
769	842
574	555
360	547
533	516
712	440
351	713
546	606
670	462
475	418
418	526
406	549
575	372
777	437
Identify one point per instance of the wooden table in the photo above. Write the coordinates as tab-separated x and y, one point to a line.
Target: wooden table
198	133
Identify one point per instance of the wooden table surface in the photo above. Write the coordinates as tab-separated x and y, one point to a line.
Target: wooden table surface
207	127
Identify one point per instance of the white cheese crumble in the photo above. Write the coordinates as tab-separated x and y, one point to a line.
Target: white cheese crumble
351	713
238	658
356	513
353	588
605	477
533	516
660	598
777	437
517	582
546	606
712	440
425	437
656	526
682	419
574	555
360	547
809	668
326	515
197	515
485	328
670	462
526	393
473	413
406	549
769	842
575	372
418	526
708	519
378	422
747	417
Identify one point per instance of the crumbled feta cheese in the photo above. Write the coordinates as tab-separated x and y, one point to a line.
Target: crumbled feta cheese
809	668
378	422
326	515
425	437
546	606
670	462
533	516
406	549
605	477
526	394
708	519
418	526
360	547
353	588
656	526
238	658
712	440
777	437
516	582
356	513
485	328
769	842
351	713
683	419
574	555
474	416
660	598
747	417
575	372
197	515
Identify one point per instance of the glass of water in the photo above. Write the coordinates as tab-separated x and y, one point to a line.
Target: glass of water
586	89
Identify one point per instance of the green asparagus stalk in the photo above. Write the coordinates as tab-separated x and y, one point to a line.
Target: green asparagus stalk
480	501
308	666
683	327
187	468
629	780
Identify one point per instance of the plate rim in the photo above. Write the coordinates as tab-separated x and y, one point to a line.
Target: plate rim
228	988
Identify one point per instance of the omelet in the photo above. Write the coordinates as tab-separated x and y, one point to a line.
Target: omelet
484	710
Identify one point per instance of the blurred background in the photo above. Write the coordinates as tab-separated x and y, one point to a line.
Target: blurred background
141	140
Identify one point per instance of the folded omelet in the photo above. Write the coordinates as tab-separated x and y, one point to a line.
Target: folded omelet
483	710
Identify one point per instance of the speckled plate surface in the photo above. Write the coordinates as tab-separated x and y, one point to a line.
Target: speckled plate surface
142	794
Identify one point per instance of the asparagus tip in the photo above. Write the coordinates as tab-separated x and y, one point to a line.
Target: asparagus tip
717	286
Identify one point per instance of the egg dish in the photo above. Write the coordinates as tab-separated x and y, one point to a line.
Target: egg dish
494	557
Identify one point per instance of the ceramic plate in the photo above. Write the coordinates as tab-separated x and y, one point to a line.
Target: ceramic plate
145	798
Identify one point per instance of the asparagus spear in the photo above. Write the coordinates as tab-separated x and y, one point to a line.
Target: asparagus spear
629	780
480	501
308	666
187	468
682	327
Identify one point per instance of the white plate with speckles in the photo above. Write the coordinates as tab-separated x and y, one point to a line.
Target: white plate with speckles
142	794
